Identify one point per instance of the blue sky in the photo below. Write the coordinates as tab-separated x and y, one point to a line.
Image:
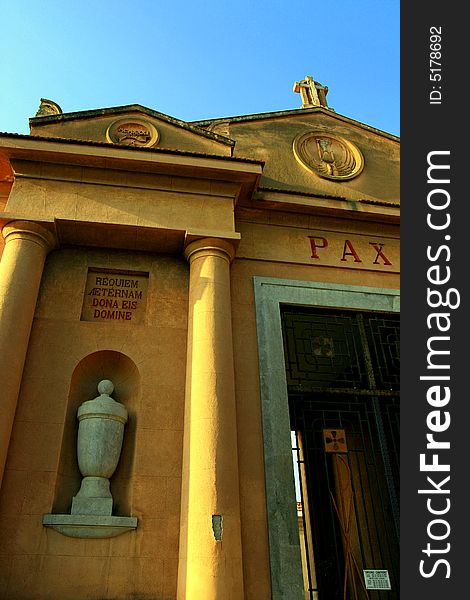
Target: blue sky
199	59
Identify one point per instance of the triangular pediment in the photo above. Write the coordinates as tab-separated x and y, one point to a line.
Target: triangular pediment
317	151
131	125
313	151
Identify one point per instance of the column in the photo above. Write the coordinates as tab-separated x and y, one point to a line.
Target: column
210	560
21	266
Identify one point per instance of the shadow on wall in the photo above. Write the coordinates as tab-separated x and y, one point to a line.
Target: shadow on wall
122	371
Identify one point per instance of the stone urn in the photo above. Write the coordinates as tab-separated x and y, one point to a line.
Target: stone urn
99	443
100	434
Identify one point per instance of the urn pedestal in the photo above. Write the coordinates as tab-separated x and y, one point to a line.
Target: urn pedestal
99	443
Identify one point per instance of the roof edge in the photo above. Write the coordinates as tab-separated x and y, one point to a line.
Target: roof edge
296	111
328	196
155	150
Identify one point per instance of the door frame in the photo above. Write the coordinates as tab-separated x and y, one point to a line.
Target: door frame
270	293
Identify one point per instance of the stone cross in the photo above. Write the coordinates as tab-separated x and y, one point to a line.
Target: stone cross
311	92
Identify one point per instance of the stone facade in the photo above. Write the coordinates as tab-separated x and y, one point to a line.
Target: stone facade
135	249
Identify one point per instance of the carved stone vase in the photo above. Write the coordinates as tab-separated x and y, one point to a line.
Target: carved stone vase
99	443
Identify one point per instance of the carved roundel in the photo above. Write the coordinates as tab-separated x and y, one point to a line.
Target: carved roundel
132	132
331	157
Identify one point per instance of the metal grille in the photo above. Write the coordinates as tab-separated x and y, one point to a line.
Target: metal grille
322	352
326	349
342	372
383	341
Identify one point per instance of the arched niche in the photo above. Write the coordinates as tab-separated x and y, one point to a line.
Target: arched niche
122	371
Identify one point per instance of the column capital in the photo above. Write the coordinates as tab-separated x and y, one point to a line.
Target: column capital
29	230
210	247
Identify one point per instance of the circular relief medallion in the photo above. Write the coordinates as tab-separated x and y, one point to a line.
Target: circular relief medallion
132	132
331	157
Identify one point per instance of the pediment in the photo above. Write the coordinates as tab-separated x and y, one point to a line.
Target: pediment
317	151
132	125
313	151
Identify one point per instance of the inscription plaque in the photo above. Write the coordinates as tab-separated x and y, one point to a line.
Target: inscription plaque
115	296
377	579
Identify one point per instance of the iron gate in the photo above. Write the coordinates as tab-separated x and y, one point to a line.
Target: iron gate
343	381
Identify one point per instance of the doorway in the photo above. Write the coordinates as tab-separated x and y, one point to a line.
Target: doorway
342	373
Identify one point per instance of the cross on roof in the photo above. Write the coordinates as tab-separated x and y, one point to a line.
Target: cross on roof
311	92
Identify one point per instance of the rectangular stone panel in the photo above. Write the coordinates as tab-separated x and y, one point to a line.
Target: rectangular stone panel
320	248
115	296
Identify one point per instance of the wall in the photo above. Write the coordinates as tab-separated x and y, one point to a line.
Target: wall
36	561
130	204
40	477
93	128
250	433
271	140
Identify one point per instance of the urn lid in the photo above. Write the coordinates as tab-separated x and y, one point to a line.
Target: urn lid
103	405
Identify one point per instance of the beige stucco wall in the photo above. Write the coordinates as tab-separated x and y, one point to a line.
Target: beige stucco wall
39	562
271	140
143	562
67	356
120	197
93	128
39	478
250	436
